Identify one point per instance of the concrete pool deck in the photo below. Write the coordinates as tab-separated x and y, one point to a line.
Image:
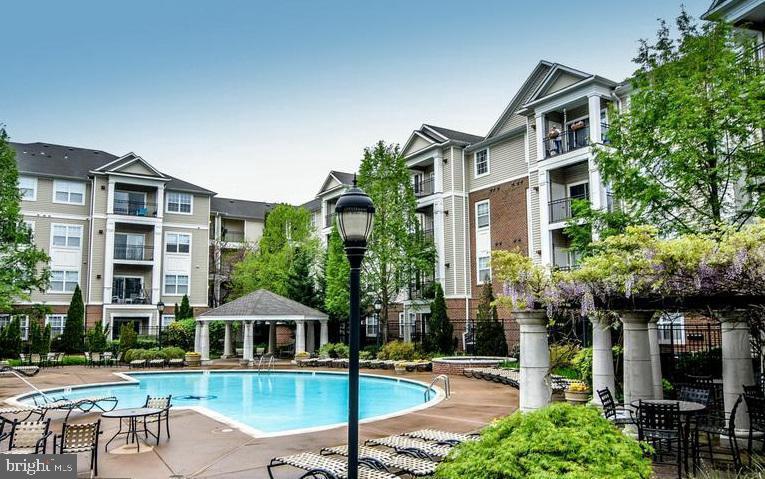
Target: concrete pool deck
201	447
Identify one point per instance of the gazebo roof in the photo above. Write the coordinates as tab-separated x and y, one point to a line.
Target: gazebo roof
263	305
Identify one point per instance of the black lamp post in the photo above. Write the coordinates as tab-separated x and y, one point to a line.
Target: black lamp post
378	307
160	309
354	212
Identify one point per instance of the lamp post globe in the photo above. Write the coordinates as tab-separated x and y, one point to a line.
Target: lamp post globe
354	211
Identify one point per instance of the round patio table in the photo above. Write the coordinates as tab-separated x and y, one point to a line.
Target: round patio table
132	415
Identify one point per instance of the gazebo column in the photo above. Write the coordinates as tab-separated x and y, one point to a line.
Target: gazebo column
310	336
535	389
737	369
204	341
227	351
638	372
324	336
272	337
247	339
299	336
198	337
602	359
653	346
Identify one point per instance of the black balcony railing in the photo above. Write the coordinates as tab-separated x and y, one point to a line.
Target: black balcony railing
329	220
564	259
134	208
423	186
560	210
567	140
132	297
134	252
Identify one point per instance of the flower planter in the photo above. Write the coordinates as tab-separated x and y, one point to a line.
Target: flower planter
193	359
577	397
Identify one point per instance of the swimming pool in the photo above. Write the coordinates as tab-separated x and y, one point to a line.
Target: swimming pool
265	404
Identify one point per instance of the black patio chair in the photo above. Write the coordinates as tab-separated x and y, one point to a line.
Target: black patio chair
699	379
719	426
659	425
78	439
616	413
755	406
162	403
695	393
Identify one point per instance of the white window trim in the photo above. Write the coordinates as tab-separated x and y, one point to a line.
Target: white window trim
34	194
488	204
56	183
164	284
576	183
178	234
475	163
64	291
167	203
478	279
63	324
371	321
169	317
66	225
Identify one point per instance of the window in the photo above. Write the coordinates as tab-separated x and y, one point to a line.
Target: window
131	246
371	326
179	202
63	281
178	243
176	284
67	236
5	320
56	322
482	214
69	192
28	188
406	323
167	320
128	290
482	162
671	328
484	269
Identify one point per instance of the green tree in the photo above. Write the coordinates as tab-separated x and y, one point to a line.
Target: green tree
337	273
490	333
23	266
184	310
97	338
72	339
286	229
679	155
440	330
394	254
36	338
301	280
10	339
46	338
128	337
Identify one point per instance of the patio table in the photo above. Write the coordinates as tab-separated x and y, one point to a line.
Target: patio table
132	415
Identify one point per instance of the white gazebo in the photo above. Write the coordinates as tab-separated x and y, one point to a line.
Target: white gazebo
265	307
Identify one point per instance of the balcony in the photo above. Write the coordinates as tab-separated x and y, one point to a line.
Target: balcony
564	259
133	252
571	140
135	208
561	210
425	289
423	187
232	236
134	297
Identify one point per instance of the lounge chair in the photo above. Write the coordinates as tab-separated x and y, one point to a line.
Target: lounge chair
323	467
36	360
175	363
423	449
6	411
102	403
162	403
442	436
157	363
78	439
138	363
406	462
95	359
27	437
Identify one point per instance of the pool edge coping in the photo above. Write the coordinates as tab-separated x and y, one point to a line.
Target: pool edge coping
128	379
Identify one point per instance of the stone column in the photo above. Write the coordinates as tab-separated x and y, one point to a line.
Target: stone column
272	337
653	346
299	336
638	373
247	339
197	337
737	364
535	360
227	341
602	359
324	336
204	341
310	336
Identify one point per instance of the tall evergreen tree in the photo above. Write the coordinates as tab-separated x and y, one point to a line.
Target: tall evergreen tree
185	310
10	339
35	337
440	330
490	334
23	266
73	337
301	281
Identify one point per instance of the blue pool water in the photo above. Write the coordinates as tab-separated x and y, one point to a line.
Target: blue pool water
269	402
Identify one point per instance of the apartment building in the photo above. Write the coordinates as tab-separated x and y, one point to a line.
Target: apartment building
128	234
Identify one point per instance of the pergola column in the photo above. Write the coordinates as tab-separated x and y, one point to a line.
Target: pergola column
535	389
602	359
204	341
310	336
299	336
247	339
227	341
737	369
324	336
198	336
272	337
638	372
653	346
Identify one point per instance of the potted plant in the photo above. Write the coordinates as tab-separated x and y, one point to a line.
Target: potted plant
193	359
577	393
577	125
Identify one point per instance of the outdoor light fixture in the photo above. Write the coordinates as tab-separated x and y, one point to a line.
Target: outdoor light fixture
378	307
160	309
354	212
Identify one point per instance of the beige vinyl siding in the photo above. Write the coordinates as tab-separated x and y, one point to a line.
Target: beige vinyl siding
253	230
448	281
101	195
98	262
536	231
418	144
45	204
506	160
447	168
459	170
198	266
460	250
137	168
532	140
200	212
563	80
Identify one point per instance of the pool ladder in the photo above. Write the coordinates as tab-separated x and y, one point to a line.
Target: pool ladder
269	366
447	386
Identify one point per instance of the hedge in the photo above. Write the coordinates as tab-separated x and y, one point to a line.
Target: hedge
149	354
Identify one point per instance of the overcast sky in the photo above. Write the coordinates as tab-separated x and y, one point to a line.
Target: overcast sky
259	100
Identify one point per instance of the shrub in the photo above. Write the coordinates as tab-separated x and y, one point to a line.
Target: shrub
334	350
582	362
96	340
509	365
490	332
366	355
180	334
127	337
562	355
440	338
72	339
397	351
559	441
10	339
146	342
156	353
